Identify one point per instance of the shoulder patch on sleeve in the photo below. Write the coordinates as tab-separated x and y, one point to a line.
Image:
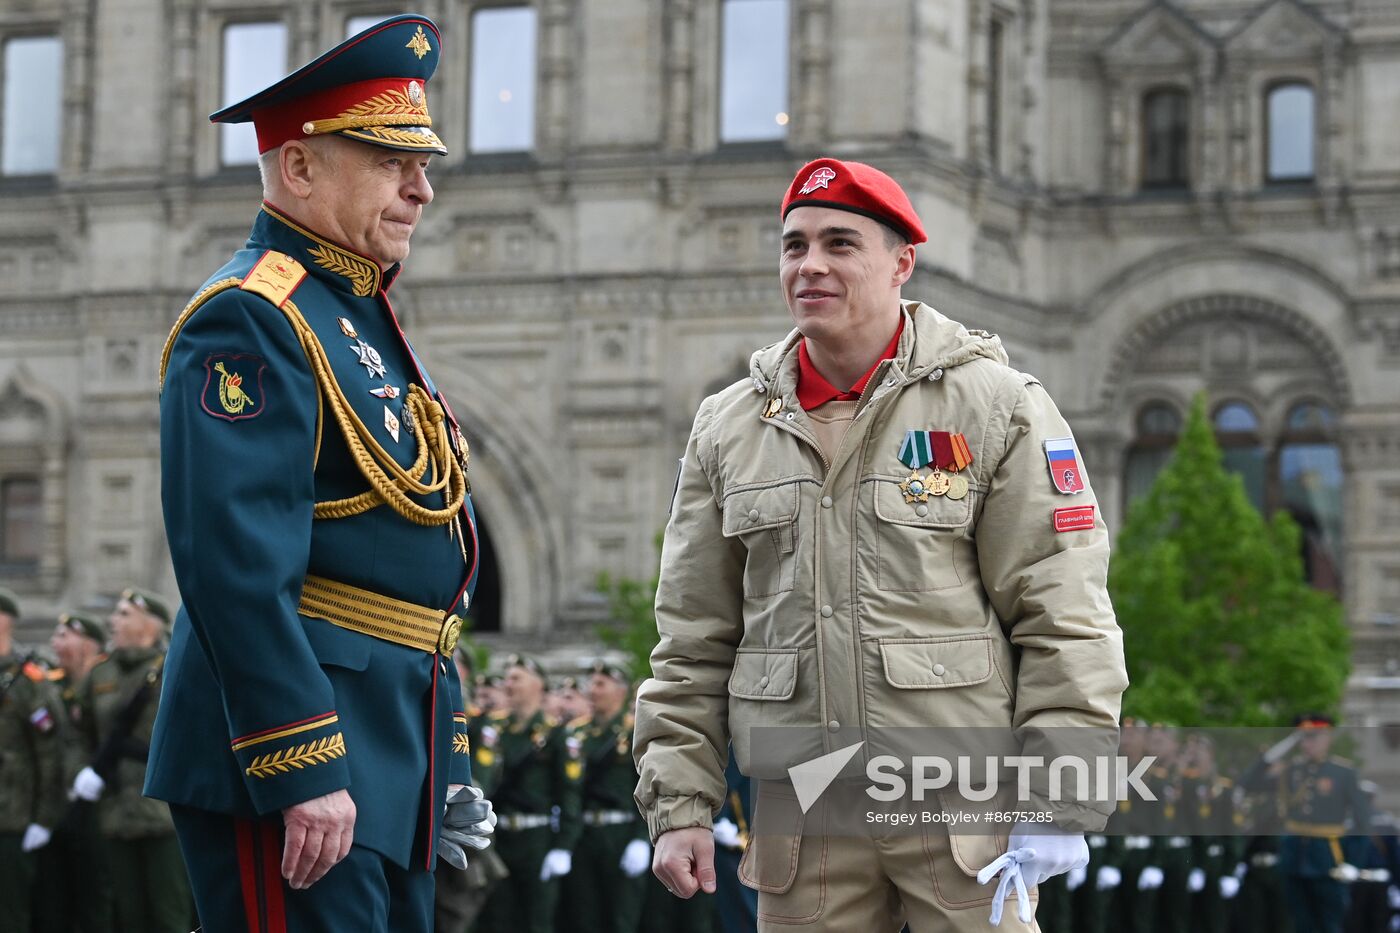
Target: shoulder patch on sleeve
233	386
275	276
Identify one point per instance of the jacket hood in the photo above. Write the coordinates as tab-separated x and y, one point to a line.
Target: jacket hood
930	341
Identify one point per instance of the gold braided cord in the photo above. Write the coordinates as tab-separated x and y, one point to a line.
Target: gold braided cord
336	124
387	479
194	305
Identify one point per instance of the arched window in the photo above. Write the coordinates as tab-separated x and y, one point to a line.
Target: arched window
1237	432
1158	425
1290	126
1308	481
1166	138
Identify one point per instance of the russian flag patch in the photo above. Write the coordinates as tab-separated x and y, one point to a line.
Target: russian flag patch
1065	471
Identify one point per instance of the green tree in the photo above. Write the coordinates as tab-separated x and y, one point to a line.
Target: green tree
1220	626
633	606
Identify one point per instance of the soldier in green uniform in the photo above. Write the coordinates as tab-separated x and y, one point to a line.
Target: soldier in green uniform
1137	822
74	891
1209	817
541	769
1326	819
150	891
605	891
1172	842
31	763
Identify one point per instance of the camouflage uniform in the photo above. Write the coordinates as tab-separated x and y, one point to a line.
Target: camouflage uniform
31	781
150	889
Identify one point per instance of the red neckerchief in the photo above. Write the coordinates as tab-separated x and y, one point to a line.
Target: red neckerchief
813	391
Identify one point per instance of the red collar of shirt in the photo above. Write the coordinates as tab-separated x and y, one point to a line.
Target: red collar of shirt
813	391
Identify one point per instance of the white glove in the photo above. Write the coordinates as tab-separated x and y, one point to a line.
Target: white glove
88	785
636	858
35	837
1393	896
1196	880
1033	854
1075	877
1109	877
1229	886
557	864
1240	871
1150	879
1345	873
726	834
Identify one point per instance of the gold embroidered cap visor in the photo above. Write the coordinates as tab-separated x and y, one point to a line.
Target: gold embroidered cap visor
371	88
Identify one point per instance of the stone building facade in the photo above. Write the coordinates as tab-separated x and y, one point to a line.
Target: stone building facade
1108	184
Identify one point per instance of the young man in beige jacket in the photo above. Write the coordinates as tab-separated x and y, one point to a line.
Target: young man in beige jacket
885	527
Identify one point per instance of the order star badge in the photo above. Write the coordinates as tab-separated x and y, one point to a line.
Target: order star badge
370	357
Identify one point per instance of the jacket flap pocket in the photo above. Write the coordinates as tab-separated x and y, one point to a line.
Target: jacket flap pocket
764	674
928	664
937	512
337	646
759	509
770	861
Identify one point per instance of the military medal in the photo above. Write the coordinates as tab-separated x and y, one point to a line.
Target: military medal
957	486
916	449
774	406
464	452
387	391
914	489
370	357
391	424
938	483
409	422
347	328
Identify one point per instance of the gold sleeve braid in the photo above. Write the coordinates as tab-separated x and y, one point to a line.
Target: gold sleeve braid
390	484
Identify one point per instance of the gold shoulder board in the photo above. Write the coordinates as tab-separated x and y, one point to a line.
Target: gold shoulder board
274	277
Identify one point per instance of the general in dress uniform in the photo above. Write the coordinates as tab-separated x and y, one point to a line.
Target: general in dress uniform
316	503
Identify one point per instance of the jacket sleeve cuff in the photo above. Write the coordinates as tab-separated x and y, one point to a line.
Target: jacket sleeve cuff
668	813
289	765
459	766
1072	816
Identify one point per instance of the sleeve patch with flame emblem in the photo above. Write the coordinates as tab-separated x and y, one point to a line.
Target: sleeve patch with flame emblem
233	386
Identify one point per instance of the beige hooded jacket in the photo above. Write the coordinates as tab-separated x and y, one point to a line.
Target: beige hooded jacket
795	592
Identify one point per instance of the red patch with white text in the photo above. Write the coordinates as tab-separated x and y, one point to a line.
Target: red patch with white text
1079	518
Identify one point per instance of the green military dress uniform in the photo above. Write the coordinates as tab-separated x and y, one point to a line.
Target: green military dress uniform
1172	849
1209	818
150	891
1093	907
541	770
598	896
31	788
1137	822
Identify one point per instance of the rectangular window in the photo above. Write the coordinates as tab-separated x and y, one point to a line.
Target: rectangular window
503	80
19	521
995	40
33	105
255	55
754	71
1291	133
1166	123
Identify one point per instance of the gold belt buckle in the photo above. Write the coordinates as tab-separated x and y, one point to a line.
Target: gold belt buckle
447	638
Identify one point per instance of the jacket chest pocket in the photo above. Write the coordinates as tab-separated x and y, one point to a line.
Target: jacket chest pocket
915	542
765	520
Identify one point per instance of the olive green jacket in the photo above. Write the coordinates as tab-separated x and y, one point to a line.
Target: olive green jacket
31	748
794	592
123	813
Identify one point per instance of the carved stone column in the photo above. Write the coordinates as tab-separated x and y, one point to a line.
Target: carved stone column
808	85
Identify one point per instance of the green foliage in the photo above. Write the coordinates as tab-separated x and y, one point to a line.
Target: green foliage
632	603
1220	627
477	654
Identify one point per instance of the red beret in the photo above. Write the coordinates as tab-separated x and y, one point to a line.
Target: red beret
858	188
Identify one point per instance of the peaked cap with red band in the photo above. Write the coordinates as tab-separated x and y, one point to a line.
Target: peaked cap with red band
858	188
372	88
